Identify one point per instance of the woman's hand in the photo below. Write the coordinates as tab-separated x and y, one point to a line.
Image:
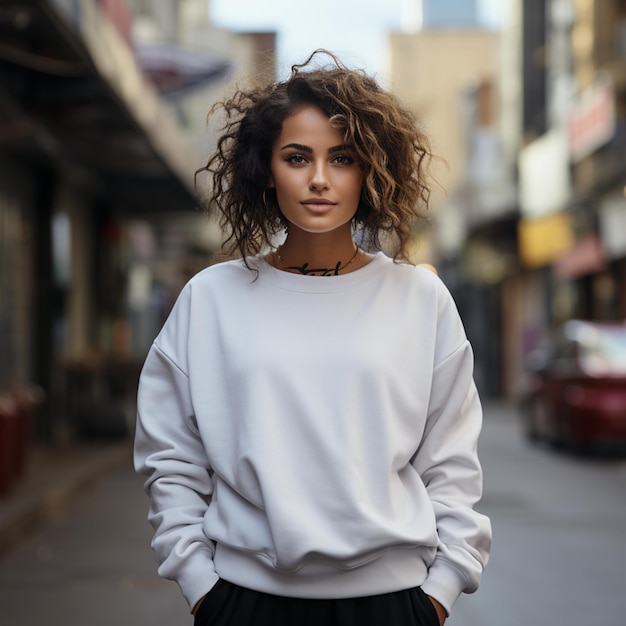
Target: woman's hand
198	603
442	614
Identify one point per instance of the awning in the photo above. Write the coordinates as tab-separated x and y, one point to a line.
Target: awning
176	70
72	95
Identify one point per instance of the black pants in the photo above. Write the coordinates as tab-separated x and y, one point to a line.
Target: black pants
230	605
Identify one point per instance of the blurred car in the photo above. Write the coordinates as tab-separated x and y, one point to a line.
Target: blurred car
577	395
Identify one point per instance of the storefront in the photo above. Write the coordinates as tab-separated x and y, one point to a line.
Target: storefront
86	148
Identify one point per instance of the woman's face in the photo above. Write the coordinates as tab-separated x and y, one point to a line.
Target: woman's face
316	176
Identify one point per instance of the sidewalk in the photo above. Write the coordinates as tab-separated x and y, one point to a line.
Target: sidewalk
54	475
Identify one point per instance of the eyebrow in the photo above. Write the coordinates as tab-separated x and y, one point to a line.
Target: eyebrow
298	146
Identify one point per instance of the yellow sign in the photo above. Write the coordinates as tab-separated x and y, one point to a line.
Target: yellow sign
545	239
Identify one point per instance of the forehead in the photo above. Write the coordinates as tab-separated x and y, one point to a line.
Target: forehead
309	122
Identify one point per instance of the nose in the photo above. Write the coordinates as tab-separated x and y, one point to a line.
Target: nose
319	179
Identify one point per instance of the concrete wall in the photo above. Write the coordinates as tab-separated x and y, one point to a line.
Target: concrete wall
430	70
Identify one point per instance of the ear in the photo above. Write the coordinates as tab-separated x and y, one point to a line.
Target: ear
270	183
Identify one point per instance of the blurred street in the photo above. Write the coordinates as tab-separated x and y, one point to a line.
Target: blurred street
91	565
559	547
559	525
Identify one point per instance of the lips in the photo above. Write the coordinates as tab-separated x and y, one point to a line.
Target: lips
318	205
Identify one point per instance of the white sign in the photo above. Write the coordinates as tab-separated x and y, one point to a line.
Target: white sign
544	175
613	226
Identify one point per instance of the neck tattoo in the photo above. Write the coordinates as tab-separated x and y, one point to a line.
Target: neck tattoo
315	271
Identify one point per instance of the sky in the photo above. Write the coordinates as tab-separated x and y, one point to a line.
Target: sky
356	30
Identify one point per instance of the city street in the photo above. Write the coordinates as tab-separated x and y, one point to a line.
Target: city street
558	554
559	543
91	565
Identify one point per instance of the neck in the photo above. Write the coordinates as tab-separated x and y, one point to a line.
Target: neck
323	256
321	249
311	269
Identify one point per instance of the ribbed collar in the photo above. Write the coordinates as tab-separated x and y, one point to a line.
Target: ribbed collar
318	284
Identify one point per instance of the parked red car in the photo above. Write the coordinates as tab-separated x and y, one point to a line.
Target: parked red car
577	395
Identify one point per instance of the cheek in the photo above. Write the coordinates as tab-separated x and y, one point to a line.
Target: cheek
288	182
356	186
282	185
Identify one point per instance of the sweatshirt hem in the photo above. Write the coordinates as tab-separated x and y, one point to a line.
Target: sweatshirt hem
392	571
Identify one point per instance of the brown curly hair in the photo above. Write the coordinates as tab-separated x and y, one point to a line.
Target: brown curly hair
392	150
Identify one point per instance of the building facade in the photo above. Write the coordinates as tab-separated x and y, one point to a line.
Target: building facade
441	74
572	163
533	231
99	219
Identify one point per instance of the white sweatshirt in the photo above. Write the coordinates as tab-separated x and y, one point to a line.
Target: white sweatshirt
313	436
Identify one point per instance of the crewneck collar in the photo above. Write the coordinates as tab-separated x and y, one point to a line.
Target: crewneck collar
317	284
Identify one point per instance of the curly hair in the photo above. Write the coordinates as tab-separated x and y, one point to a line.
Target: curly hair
392	150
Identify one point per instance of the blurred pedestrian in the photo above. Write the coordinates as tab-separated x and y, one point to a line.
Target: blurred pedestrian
307	417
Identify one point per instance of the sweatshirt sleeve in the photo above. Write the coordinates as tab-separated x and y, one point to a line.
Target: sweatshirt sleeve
448	464
169	453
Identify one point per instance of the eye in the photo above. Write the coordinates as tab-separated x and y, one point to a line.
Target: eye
296	159
343	159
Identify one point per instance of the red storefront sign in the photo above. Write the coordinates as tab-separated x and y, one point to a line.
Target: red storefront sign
592	121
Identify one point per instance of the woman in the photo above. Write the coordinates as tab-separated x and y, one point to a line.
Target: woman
307	417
